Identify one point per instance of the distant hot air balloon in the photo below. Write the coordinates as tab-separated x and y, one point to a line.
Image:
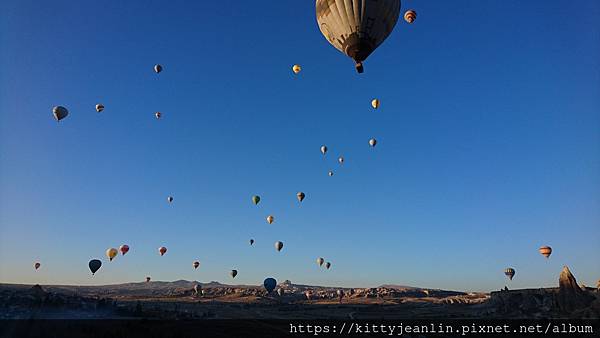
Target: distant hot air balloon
323	149
340	294
357	27
196	264
270	284
327	265
94	265
280	292
375	103
373	142
410	16
37	265
158	115
170	199
162	250
546	251
99	107
197	288
255	199
158	68
341	159
330	173
278	245
307	294
111	253
510	273
148	279
300	195
60	112
296	69
233	273
124	249
270	219
251	241
320	261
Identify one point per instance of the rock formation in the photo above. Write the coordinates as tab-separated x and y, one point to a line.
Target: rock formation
570	297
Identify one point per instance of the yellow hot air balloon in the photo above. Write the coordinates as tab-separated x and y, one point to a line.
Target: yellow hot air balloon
296	69
410	16
357	27
546	251
375	103
270	219
111	253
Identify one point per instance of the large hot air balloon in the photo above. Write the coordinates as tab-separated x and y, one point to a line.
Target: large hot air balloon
158	68
296	69
99	107
320	261
196	264
323	149
357	27
94	265
124	249
510	273
170	199
111	253
546	251
270	219
373	142
327	265
158	115
410	16
375	103
233	273
60	112
148	279
255	199
270	284
278	245
162	250
251	241
37	265
300	195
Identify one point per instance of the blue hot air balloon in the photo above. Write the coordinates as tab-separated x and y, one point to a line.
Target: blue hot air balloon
270	284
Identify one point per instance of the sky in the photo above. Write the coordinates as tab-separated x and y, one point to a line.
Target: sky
488	144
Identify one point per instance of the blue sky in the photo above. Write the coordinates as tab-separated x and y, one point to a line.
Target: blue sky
488	130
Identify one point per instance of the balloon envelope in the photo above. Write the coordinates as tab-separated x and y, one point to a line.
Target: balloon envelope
323	149
270	219
328	265
158	68
270	284
546	251
162	250
94	265
233	273
251	241
196	264
111	253
320	261
278	245
37	265
410	16
124	249
99	107
300	196
296	69
60	112
255	199
510	273
375	103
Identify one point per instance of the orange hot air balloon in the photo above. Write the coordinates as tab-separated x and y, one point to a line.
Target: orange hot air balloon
196	264
410	16
270	219
546	251
162	250
124	249
37	265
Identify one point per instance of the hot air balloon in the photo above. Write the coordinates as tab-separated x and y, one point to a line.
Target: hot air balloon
94	265
170	199
111	253
330	173
300	196
124	249
233	273
162	250
270	219
375	103
510	273
320	261
357	27
278	245
546	251
327	265
60	112
148	279
158	115
99	107
270	284
341	159
37	265
340	294
251	241
373	142
255	199
323	149
196	264
410	16
307	294
296	69
158	68
197	288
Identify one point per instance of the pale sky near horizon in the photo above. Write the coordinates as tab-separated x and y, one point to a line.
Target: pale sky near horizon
488	131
